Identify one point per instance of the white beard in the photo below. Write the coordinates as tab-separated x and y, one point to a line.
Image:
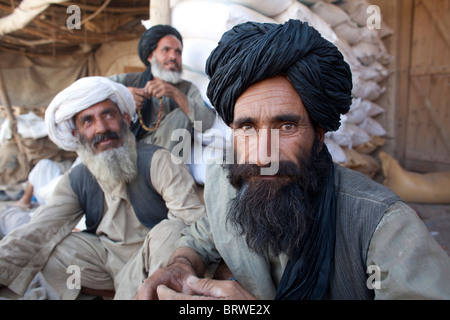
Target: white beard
168	76
114	166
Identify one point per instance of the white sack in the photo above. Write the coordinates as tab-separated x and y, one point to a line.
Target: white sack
366	90
32	126
372	127
268	8
349	135
196	51
209	19
301	12
332	14
337	153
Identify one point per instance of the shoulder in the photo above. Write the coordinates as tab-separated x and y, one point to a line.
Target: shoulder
128	79
353	184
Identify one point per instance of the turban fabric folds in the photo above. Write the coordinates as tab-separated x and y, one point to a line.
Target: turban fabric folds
79	96
252	51
149	40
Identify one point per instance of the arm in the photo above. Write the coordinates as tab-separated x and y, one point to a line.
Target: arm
183	263
177	187
159	88
188	98
412	265
25	250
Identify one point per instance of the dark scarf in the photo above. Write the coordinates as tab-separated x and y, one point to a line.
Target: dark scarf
146	111
308	271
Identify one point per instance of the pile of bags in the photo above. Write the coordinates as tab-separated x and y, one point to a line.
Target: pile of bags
344	23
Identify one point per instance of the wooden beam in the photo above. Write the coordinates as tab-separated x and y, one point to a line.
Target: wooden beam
159	12
403	34
13	123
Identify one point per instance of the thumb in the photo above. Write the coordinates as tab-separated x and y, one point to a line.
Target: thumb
204	287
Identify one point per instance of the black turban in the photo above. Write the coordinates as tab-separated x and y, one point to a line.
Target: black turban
149	40
251	52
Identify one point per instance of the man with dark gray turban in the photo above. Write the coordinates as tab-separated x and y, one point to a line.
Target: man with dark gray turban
135	201
287	222
164	100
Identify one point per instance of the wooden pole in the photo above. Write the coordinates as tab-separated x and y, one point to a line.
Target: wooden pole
13	123
159	12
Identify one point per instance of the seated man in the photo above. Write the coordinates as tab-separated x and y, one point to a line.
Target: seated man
165	100
290	223
136	201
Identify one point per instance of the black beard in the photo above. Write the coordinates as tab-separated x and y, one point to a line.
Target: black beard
275	214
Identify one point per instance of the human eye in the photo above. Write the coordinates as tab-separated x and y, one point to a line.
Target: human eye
288	126
247	128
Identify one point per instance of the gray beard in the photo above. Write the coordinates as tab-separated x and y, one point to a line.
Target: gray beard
168	76
115	166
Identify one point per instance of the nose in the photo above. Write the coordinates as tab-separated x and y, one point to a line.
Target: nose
101	126
260	148
262	156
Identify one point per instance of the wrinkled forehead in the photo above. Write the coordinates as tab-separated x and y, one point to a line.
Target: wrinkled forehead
269	98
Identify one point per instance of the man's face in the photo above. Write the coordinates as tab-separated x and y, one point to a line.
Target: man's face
100	126
274	211
168	53
272	105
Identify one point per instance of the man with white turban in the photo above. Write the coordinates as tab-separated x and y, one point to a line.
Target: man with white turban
135	199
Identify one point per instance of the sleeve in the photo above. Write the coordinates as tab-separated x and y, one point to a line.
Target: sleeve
198	110
25	251
177	187
128	79
405	259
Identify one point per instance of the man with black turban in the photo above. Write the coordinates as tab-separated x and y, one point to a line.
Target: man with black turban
165	101
308	228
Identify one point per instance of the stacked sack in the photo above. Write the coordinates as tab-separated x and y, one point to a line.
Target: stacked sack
344	23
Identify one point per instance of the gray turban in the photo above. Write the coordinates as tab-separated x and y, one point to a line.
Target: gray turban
79	96
251	52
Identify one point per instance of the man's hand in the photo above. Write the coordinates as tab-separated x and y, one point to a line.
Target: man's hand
159	88
173	276
206	289
139	96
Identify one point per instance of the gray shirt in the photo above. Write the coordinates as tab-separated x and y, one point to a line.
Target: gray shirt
397	250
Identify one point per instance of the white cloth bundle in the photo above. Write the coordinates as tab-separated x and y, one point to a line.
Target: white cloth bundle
79	96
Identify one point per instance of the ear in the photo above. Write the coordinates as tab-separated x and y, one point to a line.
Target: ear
127	118
321	135
74	132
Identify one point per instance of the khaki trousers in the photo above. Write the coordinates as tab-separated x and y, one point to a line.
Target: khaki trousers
97	268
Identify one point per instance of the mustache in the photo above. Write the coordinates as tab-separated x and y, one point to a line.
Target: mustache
172	61
105	136
239	174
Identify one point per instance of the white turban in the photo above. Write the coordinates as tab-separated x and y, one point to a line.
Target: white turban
79	96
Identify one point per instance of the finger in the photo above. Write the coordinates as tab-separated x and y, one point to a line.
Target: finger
205	287
139	102
143	293
165	293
